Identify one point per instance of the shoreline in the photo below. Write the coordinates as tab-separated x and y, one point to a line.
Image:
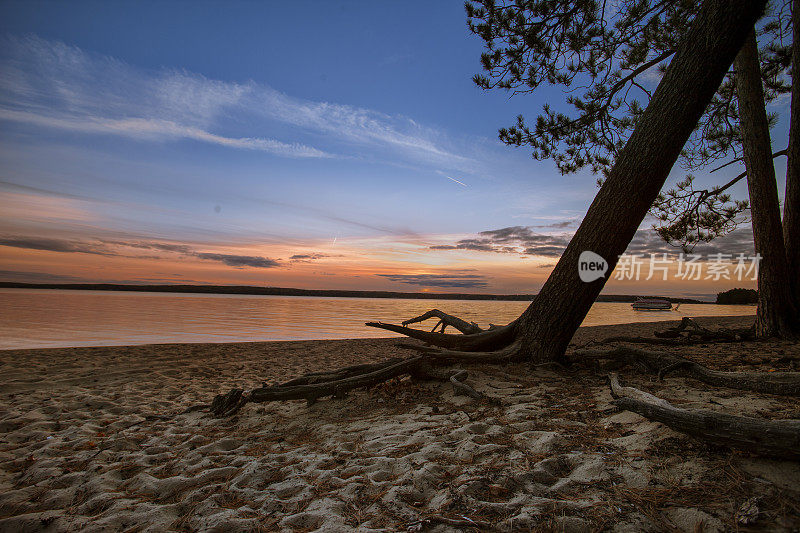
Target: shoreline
316	293
99	439
650	323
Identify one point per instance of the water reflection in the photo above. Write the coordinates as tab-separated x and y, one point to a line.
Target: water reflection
34	318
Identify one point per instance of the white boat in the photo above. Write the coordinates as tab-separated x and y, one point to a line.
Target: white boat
652	304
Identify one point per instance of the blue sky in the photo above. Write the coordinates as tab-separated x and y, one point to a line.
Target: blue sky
347	134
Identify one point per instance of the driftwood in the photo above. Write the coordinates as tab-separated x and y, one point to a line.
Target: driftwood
778	438
782	383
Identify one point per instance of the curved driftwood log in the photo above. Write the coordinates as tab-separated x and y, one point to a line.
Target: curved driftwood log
778	438
782	383
467	328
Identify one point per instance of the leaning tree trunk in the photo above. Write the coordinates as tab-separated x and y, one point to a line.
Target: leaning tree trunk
692	78
791	203
775	315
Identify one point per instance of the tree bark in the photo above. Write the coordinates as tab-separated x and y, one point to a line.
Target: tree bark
791	202
775	315
703	57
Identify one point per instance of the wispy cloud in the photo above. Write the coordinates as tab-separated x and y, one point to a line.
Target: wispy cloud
158	130
307	258
55	85
239	260
558	225
471	281
56	245
24	276
118	248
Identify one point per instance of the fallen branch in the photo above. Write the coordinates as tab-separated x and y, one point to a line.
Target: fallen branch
778	438
434	520
459	387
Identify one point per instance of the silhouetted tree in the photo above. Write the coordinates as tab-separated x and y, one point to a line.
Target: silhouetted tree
791	201
776	315
561	33
618	50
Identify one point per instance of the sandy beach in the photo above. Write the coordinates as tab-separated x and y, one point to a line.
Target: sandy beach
93	439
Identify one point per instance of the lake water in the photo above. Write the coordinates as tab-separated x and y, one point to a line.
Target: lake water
39	318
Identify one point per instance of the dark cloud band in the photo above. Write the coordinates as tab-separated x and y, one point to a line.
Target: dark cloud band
108	248
472	281
522	240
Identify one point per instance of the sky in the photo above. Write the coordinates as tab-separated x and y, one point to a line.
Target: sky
336	145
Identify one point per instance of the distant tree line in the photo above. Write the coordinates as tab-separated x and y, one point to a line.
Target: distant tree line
738	296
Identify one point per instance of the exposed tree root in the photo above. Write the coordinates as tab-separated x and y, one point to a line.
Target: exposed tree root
337	383
467	328
694	331
782	383
687	332
334	385
491	339
341	373
779	438
499	345
463	348
678	341
507	354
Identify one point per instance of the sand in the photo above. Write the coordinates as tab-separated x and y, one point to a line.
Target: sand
92	439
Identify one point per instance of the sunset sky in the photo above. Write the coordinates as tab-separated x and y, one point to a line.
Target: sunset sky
300	144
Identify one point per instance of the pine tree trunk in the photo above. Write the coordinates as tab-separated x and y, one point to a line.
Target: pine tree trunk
791	202
704	55
775	315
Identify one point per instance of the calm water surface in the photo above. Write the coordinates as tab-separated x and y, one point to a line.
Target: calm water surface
38	318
